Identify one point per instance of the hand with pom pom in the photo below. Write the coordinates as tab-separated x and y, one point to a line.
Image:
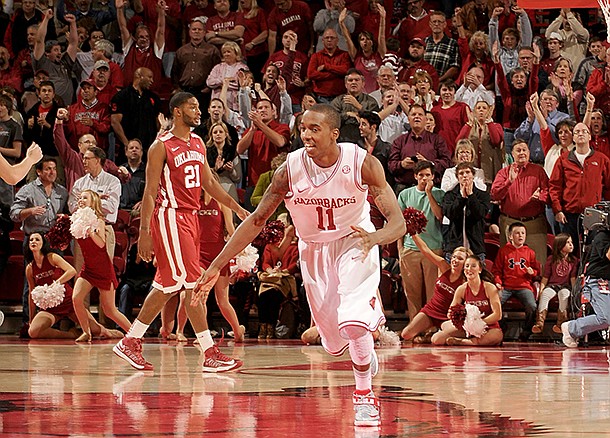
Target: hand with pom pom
457	315
415	220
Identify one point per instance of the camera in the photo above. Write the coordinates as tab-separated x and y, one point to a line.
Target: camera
597	217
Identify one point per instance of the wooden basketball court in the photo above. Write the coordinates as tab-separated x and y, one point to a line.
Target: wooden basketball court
55	389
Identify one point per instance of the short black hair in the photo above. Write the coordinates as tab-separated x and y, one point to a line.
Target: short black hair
423	165
47	84
514	225
179	99
331	115
45	159
371	117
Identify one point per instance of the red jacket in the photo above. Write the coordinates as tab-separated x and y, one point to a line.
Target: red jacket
330	82
598	87
469	61
572	187
100	115
510	266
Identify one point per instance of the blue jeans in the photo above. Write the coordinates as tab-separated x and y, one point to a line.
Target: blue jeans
526	297
601	306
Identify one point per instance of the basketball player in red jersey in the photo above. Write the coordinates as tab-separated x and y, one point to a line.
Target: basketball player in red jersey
176	172
324	186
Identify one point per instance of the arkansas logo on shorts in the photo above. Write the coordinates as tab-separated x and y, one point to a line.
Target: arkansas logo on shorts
372	302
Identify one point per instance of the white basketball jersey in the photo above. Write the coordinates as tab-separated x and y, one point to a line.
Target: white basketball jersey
325	203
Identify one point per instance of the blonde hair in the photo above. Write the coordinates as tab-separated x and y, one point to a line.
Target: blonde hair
96	203
210	141
233	46
253	12
461	145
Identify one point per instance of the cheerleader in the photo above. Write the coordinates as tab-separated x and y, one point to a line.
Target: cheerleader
45	267
97	271
481	293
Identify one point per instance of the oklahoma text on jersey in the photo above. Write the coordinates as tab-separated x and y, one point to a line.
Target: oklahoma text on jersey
190	155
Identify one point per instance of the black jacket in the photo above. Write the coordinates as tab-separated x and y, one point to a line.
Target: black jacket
477	206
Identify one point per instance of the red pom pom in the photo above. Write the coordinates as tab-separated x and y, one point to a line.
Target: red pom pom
458	316
415	220
59	235
273	233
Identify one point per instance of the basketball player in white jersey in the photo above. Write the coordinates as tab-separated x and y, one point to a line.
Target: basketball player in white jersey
324	186
176	172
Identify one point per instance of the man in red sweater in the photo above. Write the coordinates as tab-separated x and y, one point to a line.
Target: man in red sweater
89	116
328	67
514	269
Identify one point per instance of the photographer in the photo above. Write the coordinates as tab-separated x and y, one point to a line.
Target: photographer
415	145
596	289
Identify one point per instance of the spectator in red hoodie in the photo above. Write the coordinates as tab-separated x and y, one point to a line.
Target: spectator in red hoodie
515	269
89	116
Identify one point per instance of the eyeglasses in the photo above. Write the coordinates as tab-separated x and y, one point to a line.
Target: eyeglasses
581	131
89	158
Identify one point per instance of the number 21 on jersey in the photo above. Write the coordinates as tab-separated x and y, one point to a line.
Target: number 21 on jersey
192	176
326	220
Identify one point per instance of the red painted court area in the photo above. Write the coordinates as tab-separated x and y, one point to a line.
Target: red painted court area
286	389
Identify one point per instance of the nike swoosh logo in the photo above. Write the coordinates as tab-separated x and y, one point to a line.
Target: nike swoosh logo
301	190
175	149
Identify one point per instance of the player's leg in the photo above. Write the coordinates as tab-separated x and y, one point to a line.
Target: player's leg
130	347
214	361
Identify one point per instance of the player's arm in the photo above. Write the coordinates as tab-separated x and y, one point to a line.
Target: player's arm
374	176
154	167
245	233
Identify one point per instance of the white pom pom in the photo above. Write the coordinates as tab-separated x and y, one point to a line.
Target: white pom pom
474	324
82	221
246	260
387	337
49	295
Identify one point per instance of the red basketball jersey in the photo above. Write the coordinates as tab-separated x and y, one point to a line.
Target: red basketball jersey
180	185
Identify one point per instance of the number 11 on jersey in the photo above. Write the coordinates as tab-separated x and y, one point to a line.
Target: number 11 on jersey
325	219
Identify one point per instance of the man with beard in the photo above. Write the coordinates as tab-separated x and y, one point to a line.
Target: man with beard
414	61
176	173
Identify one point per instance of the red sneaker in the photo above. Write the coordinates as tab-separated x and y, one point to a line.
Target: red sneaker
130	349
217	362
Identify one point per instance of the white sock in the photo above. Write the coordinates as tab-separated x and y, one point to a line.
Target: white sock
364	381
360	351
138	329
205	339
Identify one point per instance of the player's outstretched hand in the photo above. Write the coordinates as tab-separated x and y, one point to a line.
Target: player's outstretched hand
366	241
204	285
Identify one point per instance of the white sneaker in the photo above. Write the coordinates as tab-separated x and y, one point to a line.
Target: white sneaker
374	364
1	317
567	339
367	410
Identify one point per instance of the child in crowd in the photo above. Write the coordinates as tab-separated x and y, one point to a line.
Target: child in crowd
515	269
560	272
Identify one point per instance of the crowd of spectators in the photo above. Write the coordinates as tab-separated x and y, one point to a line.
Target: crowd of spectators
510	116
